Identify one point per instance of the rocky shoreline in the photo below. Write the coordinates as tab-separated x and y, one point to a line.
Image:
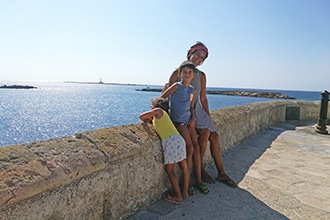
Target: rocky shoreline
276	95
17	87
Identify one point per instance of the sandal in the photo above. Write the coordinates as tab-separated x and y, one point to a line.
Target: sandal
203	189
167	197
191	191
228	182
208	179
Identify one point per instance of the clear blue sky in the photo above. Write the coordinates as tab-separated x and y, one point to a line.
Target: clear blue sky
267	44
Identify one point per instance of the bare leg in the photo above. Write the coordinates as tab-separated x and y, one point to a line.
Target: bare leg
197	162
174	182
216	153
185	178
203	138
196	157
183	130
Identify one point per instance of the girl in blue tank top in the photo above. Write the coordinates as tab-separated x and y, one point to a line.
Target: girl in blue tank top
181	95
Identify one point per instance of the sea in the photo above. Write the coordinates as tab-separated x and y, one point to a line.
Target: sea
57	109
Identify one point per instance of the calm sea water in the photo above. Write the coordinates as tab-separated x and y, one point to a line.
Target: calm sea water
59	109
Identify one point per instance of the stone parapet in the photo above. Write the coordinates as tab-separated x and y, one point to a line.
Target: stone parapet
237	123
110	173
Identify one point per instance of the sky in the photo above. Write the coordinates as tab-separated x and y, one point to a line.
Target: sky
263	44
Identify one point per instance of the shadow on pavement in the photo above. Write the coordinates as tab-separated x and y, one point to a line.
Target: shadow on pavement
224	202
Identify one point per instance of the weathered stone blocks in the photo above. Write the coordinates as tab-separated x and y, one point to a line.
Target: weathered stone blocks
112	172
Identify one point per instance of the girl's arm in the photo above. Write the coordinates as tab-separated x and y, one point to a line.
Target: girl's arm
174	77
192	121
149	115
169	91
203	93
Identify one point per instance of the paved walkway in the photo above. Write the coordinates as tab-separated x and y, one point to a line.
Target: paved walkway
283	173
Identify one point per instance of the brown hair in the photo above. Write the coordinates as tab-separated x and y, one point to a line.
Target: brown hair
188	64
160	103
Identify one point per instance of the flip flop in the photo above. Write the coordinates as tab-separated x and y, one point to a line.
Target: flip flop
167	197
203	189
228	182
208	179
191	191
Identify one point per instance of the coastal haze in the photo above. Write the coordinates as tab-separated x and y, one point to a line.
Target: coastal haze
280	45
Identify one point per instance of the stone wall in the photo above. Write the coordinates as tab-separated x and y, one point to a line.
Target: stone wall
112	172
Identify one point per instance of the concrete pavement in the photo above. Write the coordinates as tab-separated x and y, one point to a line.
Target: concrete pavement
283	173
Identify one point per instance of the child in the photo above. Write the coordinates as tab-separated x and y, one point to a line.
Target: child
181	96
173	148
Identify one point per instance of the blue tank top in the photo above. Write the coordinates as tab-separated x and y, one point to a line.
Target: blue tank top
180	104
196	83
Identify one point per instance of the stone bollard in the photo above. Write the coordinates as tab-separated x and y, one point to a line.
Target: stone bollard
321	126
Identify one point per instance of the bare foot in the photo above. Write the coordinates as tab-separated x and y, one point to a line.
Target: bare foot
207	177
185	194
224	178
171	198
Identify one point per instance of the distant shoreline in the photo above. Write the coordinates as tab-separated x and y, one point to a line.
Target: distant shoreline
257	94
103	83
17	87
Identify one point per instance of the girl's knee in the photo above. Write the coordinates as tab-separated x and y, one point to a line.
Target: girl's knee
196	150
204	139
184	166
189	151
214	137
204	135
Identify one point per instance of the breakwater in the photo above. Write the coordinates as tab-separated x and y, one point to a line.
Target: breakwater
17	87
259	94
111	173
